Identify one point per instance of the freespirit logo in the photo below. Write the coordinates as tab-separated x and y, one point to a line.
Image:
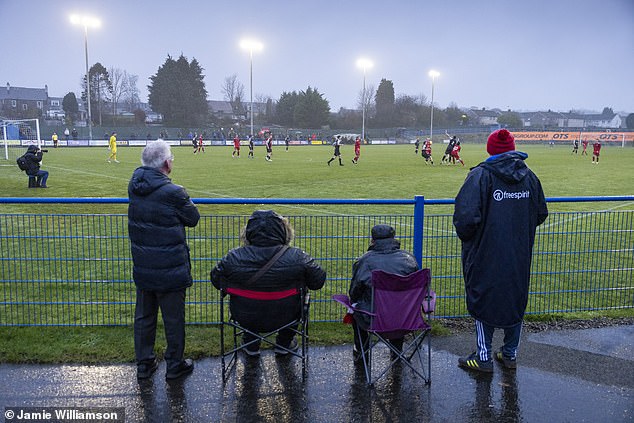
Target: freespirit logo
499	195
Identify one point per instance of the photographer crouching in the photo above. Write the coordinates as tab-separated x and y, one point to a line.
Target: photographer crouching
33	158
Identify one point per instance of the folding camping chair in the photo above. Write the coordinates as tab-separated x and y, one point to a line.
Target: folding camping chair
398	304
299	326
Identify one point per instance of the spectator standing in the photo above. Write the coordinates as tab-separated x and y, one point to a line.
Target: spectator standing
158	213
54	138
66	134
496	214
75	134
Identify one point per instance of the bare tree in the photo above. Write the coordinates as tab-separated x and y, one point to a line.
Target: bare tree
421	100
234	92
124	88
118	87
131	96
260	100
368	101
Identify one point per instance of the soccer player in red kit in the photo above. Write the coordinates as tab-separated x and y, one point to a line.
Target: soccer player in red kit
236	147
201	144
455	153
357	150
426	151
584	143
596	150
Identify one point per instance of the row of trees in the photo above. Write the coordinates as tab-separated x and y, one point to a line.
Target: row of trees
108	89
178	92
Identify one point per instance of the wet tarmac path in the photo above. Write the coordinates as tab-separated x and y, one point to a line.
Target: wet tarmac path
562	376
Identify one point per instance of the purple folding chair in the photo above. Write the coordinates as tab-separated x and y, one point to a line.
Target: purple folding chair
398	305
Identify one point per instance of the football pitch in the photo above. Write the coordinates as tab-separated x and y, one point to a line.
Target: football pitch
383	172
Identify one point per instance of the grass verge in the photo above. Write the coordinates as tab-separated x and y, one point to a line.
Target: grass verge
99	344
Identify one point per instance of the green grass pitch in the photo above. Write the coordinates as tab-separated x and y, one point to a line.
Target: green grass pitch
384	171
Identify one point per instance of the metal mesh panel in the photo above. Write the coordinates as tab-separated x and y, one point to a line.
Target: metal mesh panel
76	269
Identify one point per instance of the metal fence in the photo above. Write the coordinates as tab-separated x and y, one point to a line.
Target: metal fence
76	269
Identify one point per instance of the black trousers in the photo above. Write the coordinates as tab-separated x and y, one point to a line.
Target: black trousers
172	305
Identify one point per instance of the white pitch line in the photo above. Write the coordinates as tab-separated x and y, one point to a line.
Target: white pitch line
548	226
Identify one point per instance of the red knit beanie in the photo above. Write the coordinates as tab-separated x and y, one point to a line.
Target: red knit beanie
500	142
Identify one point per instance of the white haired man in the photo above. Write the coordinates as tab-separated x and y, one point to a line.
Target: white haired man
158	213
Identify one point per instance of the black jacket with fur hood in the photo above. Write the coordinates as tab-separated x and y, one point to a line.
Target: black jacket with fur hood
265	234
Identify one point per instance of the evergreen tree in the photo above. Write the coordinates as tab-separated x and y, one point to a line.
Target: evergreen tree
312	110
70	106
177	91
285	110
384	101
510	120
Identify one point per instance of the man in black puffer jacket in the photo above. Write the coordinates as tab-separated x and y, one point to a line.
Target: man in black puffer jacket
496	214
157	215
265	234
384	253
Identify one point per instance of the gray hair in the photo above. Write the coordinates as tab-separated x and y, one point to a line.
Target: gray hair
155	154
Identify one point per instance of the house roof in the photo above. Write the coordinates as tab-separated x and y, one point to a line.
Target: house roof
220	106
22	93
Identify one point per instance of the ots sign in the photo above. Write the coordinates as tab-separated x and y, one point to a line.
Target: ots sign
570	136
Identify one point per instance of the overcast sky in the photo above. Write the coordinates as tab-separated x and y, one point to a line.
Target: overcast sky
524	55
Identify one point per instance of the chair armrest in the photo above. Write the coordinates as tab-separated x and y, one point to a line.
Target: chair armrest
345	301
429	302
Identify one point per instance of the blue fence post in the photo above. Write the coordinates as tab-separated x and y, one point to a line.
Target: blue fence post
419	214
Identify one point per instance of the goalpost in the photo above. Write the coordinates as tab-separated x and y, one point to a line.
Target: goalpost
15	137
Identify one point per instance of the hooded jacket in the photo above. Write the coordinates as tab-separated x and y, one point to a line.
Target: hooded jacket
33	158
157	215
383	254
265	235
497	211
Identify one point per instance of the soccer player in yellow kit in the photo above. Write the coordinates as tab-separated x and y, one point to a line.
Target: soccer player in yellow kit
112	146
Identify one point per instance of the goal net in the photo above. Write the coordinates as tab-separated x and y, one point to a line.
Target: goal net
15	137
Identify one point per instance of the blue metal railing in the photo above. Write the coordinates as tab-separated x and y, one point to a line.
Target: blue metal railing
75	269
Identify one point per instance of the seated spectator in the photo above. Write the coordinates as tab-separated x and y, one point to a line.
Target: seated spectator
384	253
265	234
33	158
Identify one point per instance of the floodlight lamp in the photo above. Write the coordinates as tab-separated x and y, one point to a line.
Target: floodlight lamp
364	64
434	74
251	45
87	21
